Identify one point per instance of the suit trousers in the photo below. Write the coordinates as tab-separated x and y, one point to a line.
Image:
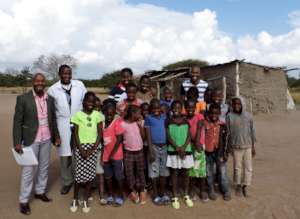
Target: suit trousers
42	151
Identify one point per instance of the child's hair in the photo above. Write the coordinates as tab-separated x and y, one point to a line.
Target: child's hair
187	102
130	111
193	91
166	88
126	70
89	94
175	102
108	103
144	77
214	106
144	105
130	85
153	102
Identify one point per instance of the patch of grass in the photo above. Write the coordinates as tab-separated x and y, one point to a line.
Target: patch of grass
295	92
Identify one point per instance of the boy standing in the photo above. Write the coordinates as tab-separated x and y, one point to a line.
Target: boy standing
241	139
216	153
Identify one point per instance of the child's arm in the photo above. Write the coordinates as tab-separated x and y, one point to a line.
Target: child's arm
253	137
200	126
116	146
149	142
170	140
77	142
187	141
98	140
142	131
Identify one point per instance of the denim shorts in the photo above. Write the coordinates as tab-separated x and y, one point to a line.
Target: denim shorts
114	168
159	166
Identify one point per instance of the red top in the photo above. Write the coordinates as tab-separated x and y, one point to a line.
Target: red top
110	137
212	134
194	126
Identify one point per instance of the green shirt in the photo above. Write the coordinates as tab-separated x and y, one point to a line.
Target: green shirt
179	134
87	125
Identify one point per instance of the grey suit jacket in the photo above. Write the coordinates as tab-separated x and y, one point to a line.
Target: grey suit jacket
26	122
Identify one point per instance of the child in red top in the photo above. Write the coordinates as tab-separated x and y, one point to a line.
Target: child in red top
198	173
216	155
112	156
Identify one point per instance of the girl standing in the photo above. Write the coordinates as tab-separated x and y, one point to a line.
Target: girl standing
179	152
88	135
133	154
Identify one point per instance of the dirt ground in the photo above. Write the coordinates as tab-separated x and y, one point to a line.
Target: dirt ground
275	192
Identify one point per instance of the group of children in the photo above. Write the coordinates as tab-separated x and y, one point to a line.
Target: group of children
139	142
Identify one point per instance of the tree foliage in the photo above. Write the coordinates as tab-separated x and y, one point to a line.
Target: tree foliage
185	63
50	64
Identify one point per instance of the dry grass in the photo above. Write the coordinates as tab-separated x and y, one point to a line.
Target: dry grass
295	92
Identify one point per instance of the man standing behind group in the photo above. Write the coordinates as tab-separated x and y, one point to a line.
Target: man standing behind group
68	95
194	81
35	127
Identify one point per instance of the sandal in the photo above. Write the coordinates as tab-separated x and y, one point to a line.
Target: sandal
103	201
175	203
118	202
85	208
74	206
188	201
110	200
157	200
134	197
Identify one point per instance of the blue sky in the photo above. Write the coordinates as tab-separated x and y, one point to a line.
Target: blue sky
238	17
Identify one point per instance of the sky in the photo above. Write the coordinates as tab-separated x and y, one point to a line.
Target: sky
105	35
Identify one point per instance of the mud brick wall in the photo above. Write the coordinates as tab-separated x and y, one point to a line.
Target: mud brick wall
264	89
226	70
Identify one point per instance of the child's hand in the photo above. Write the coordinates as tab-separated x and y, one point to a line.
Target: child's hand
253	151
181	154
19	149
199	147
151	156
84	154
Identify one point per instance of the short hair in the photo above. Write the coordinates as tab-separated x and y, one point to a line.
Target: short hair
214	106
154	101
38	74
131	84
144	77
187	102
126	70
193	91
144	104
175	102
131	110
62	68
166	88
89	94
108	103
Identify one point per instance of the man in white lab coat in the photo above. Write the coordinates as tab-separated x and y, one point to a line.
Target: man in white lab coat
68	95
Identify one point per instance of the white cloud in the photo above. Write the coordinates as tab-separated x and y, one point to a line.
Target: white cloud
109	34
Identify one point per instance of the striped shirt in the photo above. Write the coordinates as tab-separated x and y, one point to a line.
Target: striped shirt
201	86
118	93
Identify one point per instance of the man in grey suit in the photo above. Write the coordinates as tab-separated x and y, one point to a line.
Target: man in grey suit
35	126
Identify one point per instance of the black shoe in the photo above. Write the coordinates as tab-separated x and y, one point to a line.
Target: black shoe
25	209
245	193
43	197
65	189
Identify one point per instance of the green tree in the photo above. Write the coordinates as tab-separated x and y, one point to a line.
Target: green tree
185	63
109	80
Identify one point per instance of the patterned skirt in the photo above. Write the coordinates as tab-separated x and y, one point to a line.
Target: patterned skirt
85	170
199	169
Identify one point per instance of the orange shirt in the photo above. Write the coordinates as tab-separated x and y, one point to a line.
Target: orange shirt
200	107
212	135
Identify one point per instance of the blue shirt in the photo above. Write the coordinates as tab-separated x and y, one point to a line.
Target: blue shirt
164	102
157	127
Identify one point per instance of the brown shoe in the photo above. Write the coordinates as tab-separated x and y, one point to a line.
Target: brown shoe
25	208
238	191
43	197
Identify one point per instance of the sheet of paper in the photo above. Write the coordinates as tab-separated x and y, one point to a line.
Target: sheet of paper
28	157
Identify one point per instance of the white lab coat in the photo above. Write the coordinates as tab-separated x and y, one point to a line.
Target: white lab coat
63	112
